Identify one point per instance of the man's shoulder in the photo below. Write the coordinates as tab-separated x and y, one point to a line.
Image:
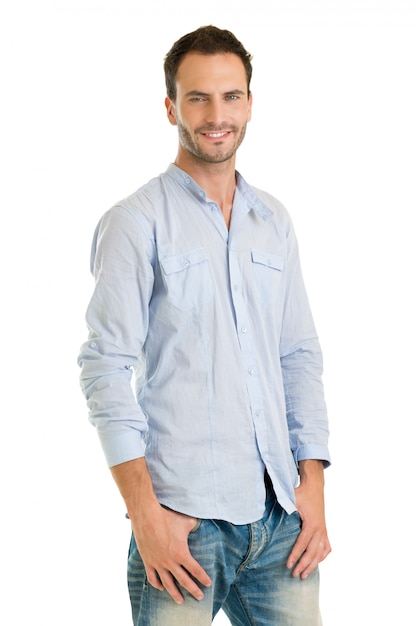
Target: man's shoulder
144	197
142	207
135	210
267	199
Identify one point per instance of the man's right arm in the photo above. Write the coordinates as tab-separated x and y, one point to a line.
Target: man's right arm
117	318
161	535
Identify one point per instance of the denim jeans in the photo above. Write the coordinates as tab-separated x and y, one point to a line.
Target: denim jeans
250	580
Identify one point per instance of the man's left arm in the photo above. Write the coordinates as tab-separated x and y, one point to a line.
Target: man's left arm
301	362
312	545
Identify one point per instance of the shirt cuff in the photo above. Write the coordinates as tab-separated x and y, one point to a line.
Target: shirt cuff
121	447
312	451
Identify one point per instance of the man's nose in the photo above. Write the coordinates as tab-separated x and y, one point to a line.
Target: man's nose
215	114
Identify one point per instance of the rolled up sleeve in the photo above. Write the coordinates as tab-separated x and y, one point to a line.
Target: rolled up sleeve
117	319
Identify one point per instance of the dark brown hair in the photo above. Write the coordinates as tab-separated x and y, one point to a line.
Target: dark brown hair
205	40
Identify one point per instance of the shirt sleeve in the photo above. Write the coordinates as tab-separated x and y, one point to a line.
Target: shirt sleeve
117	319
302	367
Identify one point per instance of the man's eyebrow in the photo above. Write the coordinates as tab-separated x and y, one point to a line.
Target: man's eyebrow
195	92
235	92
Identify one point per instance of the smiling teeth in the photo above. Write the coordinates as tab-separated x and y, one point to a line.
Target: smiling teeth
215	135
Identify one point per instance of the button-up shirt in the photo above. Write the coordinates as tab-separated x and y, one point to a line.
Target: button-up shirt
202	353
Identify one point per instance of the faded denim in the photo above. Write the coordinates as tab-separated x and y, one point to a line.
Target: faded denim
251	583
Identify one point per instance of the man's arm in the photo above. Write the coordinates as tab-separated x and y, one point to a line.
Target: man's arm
117	316
302	366
161	535
312	545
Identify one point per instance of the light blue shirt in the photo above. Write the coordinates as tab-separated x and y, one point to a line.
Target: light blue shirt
217	328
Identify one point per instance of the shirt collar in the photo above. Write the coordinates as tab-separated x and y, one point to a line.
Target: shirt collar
251	198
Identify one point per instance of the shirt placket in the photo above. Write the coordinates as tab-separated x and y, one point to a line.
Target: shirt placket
248	356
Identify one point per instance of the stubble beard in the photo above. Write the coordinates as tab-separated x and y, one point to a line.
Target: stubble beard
191	145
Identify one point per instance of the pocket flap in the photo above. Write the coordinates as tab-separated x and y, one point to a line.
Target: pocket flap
269	259
181	262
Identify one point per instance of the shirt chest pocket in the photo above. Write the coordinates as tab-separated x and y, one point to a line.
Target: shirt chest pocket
267	275
187	279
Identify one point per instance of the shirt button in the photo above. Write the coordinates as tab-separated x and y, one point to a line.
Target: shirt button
93	344
186	263
187	180
251	371
244	329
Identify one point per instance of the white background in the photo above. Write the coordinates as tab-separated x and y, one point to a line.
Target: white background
333	136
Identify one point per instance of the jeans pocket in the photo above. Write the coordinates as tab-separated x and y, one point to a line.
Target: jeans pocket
197	526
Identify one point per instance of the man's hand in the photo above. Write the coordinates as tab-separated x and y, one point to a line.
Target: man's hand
162	541
161	535
312	545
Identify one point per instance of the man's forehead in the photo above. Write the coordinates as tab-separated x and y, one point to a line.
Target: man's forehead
197	67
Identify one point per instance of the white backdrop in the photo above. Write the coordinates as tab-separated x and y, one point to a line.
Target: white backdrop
333	136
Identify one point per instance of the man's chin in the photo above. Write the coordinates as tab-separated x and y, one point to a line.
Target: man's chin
217	158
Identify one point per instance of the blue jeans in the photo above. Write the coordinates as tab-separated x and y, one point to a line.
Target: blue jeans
250	580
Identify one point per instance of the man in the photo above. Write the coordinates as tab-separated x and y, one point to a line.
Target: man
220	456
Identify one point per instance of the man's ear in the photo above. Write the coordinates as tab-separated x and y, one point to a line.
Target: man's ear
171	111
250	105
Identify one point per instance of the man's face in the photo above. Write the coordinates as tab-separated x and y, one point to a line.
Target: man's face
212	106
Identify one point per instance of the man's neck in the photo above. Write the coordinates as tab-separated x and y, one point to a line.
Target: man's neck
217	179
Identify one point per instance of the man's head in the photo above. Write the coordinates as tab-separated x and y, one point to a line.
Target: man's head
208	76
207	40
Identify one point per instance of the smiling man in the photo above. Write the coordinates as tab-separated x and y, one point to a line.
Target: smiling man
219	455
223	112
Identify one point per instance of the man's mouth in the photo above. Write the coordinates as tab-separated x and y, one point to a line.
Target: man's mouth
217	135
